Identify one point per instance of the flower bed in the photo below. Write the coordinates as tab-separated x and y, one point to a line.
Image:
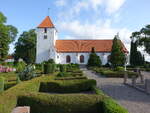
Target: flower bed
6	69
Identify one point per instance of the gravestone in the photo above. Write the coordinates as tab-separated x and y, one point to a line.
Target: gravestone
147	85
24	109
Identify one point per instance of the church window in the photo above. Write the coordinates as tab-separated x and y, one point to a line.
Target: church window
81	59
45	36
57	56
68	59
45	30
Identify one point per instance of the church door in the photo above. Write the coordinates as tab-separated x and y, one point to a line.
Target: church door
81	59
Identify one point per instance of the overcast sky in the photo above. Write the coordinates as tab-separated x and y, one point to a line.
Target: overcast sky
80	19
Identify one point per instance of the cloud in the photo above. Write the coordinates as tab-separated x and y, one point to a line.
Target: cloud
61	2
113	5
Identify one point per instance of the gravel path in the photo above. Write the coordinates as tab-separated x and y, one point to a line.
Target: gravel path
132	99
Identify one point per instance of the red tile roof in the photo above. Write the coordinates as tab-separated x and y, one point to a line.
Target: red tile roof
46	23
85	45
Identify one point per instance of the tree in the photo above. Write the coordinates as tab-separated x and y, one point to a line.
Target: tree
136	58
94	60
117	57
8	34
26	47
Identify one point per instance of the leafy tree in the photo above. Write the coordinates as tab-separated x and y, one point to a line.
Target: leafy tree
143	38
136	58
26	47
117	57
8	34
94	60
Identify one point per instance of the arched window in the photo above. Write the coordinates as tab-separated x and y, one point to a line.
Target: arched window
81	59
68	59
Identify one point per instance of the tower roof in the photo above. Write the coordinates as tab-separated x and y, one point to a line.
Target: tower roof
46	23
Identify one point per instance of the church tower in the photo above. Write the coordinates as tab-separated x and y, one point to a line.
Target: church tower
46	38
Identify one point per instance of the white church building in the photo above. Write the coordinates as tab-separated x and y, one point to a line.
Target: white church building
68	51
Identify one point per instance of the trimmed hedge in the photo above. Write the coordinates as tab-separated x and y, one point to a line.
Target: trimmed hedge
49	68
69	86
110	73
109	105
67	103
2	82
70	78
26	93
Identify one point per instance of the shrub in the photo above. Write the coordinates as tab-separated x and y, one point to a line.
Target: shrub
73	103
20	66
28	73
94	59
9	84
70	78
61	74
1	84
110	106
49	68
69	86
62	68
119	68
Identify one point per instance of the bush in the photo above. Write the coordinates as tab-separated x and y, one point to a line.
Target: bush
20	66
49	68
69	86
63	68
119	68
110	106
94	59
28	73
26	94
74	103
70	78
1	84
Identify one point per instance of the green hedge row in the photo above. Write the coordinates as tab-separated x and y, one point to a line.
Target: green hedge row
27	93
66	103
109	105
69	86
110	73
70	78
2	82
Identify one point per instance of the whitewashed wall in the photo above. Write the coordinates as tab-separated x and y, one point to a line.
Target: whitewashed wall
45	47
75	57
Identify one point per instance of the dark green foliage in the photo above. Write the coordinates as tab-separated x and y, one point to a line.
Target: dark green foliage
26	47
143	37
7	35
117	57
63	68
49	68
62	74
28	73
94	59
74	103
68	86
9	84
2	82
136	58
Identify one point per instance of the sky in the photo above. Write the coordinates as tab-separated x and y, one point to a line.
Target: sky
80	19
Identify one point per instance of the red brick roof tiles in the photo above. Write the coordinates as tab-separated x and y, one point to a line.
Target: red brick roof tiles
85	45
46	23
